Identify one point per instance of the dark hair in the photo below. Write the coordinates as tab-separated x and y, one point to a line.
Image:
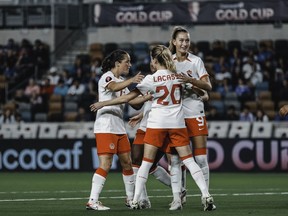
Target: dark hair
109	61
176	30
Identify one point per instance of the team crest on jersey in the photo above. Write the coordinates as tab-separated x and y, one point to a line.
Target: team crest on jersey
112	146
108	79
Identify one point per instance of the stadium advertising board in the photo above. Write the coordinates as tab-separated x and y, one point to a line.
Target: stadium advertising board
190	12
225	155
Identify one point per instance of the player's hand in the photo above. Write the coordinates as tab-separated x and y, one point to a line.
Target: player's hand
96	106
284	110
184	78
133	121
138	78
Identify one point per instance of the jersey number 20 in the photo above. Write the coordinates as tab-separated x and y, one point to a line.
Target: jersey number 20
164	99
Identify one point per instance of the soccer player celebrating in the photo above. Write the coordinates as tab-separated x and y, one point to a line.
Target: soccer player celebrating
165	121
192	72
112	139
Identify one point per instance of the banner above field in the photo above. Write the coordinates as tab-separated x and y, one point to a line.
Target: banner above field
190	13
80	155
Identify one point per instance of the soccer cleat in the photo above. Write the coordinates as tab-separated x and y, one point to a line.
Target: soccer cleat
127	203
214	207
208	203
183	196
98	206
144	204
134	205
175	205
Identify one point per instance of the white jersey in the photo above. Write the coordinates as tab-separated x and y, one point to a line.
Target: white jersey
109	119
146	111
194	67
166	109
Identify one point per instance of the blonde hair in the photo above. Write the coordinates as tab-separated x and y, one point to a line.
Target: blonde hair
163	55
176	30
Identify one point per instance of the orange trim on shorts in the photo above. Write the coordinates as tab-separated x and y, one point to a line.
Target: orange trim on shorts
101	172
127	172
185	157
148	160
200	151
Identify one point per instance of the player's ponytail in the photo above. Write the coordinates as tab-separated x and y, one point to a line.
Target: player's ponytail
163	55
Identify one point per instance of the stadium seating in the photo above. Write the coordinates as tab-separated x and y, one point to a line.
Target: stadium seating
281	47
127	46
141	51
204	47
232	44
110	47
250	45
282	103
70	107
264	95
65	108
70	116
40	117
96	50
253	105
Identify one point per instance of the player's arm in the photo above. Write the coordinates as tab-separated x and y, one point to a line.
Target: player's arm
201	93
133	121
204	83
119	100
117	86
138	102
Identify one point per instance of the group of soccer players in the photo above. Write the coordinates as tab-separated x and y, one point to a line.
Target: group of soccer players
172	117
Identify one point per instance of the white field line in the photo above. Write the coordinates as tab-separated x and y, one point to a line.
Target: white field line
123	197
117	191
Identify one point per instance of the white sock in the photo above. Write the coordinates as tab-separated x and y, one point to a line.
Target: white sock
135	171
129	183
197	175
162	175
202	161
144	195
175	173
97	185
141	179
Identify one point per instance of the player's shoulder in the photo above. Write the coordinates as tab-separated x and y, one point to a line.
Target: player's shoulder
193	57
107	77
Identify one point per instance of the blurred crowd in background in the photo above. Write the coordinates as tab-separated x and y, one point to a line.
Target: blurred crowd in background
250	80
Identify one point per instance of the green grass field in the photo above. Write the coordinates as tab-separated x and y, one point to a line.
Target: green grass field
66	194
